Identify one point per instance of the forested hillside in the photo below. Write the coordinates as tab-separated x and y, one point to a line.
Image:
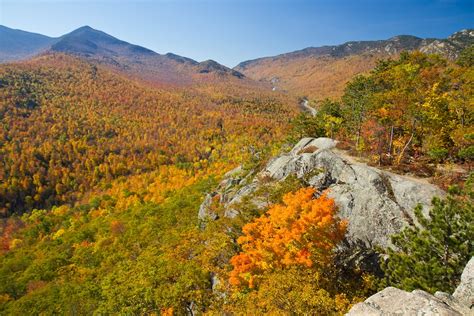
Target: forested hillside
79	141
103	175
69	127
411	114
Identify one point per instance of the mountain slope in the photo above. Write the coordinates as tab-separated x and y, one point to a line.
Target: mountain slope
64	119
85	40
17	44
75	133
102	48
138	61
322	72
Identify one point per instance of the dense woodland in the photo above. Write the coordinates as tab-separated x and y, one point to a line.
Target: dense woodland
102	178
69	127
315	77
408	113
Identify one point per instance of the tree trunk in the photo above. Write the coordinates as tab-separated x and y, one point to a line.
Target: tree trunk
404	148
390	142
358	137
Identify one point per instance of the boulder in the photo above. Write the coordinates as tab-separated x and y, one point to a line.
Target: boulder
227	189
205	209
376	203
465	291
393	301
319	143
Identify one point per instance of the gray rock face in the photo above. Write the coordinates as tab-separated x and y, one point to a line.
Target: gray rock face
392	301
449	47
465	291
227	190
204	209
376	203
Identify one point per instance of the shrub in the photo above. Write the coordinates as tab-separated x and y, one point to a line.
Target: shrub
438	154
466	153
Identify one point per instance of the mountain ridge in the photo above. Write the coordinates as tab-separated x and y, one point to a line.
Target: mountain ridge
344	49
322	72
19	44
317	72
88	36
100	47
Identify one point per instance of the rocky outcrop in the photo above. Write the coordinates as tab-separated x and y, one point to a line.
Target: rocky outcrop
376	203
393	301
225	193
450	47
465	291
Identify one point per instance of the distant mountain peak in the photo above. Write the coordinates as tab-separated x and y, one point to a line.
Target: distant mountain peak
87	41
463	32
210	65
18	44
99	47
86	30
181	59
85	27
403	37
321	72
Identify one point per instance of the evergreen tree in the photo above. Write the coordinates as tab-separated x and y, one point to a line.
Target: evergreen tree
432	257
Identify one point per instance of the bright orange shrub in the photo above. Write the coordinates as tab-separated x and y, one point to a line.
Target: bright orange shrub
301	231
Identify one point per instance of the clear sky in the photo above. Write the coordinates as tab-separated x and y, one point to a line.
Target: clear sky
231	31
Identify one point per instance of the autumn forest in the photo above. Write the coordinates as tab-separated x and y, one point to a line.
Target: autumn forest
134	183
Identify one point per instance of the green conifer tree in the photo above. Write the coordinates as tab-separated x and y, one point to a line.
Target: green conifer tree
432	257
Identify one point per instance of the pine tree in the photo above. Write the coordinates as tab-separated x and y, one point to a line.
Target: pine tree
432	257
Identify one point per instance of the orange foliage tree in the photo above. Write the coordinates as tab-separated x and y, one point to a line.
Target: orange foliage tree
302	231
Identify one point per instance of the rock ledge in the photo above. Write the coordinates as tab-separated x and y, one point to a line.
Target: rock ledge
376	203
393	301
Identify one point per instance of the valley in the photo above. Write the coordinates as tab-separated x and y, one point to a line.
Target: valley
325	181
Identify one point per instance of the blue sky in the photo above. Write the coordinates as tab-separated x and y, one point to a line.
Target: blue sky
230	31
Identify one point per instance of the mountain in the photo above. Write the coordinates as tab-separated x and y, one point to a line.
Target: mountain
100	47
138	61
122	197
452	46
90	42
17	44
213	66
322	72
